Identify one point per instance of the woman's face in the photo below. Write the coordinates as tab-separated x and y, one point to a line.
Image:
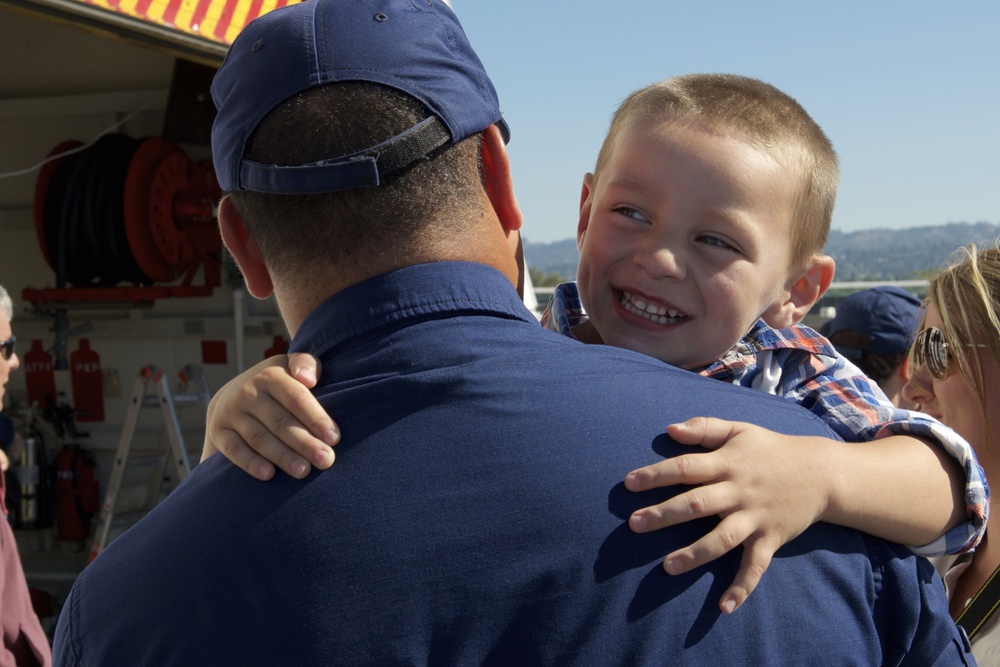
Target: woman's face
952	400
6	365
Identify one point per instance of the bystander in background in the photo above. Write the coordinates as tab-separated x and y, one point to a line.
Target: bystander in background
24	641
874	328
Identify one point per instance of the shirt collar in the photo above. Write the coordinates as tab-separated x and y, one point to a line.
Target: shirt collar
414	292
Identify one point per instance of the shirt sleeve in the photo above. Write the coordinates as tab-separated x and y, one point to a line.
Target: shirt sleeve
858	411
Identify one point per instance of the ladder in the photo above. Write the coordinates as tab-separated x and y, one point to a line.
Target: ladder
168	403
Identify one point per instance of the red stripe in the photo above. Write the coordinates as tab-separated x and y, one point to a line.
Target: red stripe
254	10
170	15
199	15
225	19
142	8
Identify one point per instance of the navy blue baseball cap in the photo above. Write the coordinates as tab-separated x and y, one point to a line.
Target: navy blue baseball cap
415	46
886	316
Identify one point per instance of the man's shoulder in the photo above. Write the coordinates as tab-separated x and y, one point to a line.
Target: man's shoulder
580	371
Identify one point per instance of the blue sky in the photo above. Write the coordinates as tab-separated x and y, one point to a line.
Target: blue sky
909	92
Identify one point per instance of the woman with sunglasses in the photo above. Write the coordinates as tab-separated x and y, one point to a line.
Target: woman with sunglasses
24	641
955	364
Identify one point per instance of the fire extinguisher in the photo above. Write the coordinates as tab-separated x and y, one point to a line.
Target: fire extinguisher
76	493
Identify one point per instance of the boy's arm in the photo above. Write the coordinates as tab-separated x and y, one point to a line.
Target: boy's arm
856	409
268	416
769	487
908	489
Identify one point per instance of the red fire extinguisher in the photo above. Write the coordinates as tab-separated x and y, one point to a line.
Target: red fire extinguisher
76	493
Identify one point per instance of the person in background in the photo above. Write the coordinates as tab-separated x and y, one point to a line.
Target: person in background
874	328
955	377
24	640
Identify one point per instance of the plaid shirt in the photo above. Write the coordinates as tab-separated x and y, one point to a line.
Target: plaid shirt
801	365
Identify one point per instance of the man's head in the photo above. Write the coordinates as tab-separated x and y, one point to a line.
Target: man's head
877	322
710	201
874	329
356	136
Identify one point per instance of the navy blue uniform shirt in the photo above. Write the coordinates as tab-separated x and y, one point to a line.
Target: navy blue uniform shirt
476	515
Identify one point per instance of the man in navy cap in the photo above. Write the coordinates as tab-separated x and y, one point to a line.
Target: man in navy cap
476	514
874	329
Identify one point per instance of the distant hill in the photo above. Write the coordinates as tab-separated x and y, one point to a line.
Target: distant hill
870	254
905	254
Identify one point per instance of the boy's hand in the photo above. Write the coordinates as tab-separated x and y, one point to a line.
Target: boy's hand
268	416
761	484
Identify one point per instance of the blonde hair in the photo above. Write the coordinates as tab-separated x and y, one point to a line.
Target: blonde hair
6	305
760	114
967	296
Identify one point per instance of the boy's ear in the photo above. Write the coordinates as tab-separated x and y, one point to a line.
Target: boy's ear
798	298
244	250
497	180
586	202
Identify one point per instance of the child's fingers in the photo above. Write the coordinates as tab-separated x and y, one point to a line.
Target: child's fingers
696	503
272	388
276	434
233	447
757	553
687	469
305	368
727	535
707	432
287	453
700	468
299	408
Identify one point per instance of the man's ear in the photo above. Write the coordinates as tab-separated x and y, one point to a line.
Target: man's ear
904	369
586	203
810	283
497	180
244	250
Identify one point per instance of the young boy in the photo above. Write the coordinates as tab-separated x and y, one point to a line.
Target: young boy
699	236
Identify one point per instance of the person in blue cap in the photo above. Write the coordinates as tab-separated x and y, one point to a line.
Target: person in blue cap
874	329
478	516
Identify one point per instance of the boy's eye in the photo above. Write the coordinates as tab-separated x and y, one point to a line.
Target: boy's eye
717	242
630	212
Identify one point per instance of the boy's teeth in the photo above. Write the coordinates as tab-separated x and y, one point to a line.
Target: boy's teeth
650	311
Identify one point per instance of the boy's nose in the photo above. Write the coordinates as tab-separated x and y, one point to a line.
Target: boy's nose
660	262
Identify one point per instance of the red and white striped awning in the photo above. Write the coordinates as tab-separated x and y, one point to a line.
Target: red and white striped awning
198	29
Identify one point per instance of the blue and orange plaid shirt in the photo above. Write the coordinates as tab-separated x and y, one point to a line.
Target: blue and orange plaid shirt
801	365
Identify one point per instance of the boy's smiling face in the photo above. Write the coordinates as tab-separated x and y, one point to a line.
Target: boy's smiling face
685	242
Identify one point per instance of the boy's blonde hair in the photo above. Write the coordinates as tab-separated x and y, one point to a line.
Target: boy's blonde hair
763	116
967	295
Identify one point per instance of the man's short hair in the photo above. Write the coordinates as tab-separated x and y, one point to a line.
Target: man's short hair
338	119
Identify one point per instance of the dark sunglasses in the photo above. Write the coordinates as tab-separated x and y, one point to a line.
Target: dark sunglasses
931	348
7	348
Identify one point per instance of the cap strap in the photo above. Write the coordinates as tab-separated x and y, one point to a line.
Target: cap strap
362	169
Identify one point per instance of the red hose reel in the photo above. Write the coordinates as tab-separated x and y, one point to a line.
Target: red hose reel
127	210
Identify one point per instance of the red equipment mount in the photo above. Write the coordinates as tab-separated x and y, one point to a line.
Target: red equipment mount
126	210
